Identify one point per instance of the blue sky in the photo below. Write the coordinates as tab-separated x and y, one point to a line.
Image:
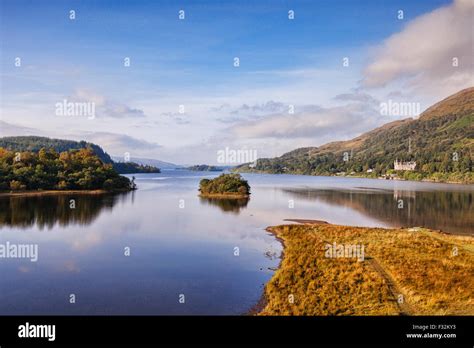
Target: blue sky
190	62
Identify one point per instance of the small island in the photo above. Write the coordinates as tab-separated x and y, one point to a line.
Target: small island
225	186
133	168
48	171
204	168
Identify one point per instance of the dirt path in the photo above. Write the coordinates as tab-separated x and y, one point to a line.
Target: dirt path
403	307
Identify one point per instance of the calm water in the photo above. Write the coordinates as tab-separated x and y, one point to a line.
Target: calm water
190	250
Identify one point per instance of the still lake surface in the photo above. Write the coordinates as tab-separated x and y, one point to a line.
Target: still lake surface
190	250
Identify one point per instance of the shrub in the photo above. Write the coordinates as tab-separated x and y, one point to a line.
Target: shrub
16	185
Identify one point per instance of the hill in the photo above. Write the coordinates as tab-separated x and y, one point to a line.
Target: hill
440	141
149	162
35	144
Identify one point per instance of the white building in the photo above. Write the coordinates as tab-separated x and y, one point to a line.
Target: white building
399	165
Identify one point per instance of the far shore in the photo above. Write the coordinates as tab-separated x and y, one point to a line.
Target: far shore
425	180
402	271
56	192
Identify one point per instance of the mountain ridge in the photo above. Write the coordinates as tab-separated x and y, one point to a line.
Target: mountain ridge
440	140
149	161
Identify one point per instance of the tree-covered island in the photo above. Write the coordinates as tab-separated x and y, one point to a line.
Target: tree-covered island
47	169
225	186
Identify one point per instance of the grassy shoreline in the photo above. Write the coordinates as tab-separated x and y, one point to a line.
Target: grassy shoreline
404	272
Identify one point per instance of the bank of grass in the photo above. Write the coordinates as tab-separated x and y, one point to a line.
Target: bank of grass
418	264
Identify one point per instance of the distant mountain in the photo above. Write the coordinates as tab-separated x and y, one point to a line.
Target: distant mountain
35	144
440	141
149	162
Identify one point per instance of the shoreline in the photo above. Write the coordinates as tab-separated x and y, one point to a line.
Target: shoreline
58	192
262	302
224	195
307	221
361	177
381	267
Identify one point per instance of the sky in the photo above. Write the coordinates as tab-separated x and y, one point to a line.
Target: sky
317	77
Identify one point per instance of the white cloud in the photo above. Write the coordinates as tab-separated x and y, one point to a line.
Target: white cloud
176	117
357	96
421	55
118	143
105	106
338	121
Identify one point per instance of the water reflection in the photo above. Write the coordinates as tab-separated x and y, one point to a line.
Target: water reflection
47	211
451	211
226	205
190	250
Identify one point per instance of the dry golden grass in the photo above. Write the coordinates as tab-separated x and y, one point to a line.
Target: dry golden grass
420	265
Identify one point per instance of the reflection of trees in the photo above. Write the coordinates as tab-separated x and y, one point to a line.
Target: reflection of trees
48	210
232	205
451	211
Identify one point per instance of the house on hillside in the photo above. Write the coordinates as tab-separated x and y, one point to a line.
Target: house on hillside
399	165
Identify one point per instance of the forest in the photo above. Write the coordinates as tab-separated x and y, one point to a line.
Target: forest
47	169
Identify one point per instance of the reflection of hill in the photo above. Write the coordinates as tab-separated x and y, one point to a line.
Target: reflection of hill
46	211
233	205
446	211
